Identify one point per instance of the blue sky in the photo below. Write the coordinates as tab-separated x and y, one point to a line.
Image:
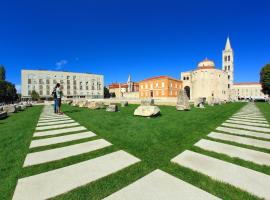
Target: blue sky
142	38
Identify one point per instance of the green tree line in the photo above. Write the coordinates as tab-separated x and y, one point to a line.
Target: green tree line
8	92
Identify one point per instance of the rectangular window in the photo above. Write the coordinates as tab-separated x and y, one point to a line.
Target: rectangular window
29	81
162	84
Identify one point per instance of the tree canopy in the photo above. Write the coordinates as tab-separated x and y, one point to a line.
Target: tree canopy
265	79
8	92
2	73
34	95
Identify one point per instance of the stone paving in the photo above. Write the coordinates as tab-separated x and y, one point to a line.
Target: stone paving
254	182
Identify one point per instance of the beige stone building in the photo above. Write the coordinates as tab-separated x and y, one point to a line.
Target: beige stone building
249	90
74	85
206	82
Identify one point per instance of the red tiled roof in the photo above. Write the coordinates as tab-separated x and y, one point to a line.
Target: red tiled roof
159	77
247	83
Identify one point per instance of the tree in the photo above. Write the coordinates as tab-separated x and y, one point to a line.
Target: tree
2	73
265	79
8	92
106	93
113	94
34	95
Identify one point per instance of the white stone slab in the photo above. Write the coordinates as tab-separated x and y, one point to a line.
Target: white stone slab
240	140
53	120
246	179
49	118
235	152
50	184
248	115
40	128
61	139
247	123
252	128
243	132
64	152
254	118
159	185
250	120
59	131
54	123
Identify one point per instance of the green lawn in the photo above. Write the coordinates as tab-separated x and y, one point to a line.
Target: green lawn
154	140
15	135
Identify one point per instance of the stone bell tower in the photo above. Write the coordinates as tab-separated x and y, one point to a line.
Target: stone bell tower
228	62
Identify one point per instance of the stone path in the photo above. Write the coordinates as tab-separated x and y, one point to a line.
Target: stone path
235	152
240	140
247	122
159	185
61	139
58	181
243	132
252	181
64	152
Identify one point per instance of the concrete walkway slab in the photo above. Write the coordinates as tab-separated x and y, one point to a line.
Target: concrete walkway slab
246	179
251	128
40	128
247	123
245	117
240	140
49	118
50	184
64	152
61	139
250	120
54	123
59	131
243	132
159	185
235	152
53	120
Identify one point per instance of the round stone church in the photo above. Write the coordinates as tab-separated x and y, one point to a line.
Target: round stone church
209	82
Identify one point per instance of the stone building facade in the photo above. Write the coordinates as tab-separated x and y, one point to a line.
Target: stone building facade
159	87
74	85
249	90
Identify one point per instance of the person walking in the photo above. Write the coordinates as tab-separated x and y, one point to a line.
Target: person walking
55	99
59	98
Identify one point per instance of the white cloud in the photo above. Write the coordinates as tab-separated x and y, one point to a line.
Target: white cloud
60	64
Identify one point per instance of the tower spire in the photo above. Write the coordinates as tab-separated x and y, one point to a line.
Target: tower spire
228	44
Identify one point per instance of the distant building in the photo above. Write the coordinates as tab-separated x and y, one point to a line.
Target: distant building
74	85
124	89
159	87
248	90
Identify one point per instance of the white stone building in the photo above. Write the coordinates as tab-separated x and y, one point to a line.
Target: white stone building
209	82
248	91
74	85
206	82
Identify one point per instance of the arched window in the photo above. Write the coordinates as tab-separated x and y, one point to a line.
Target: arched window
225	68
229	68
229	58
225	58
229	77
